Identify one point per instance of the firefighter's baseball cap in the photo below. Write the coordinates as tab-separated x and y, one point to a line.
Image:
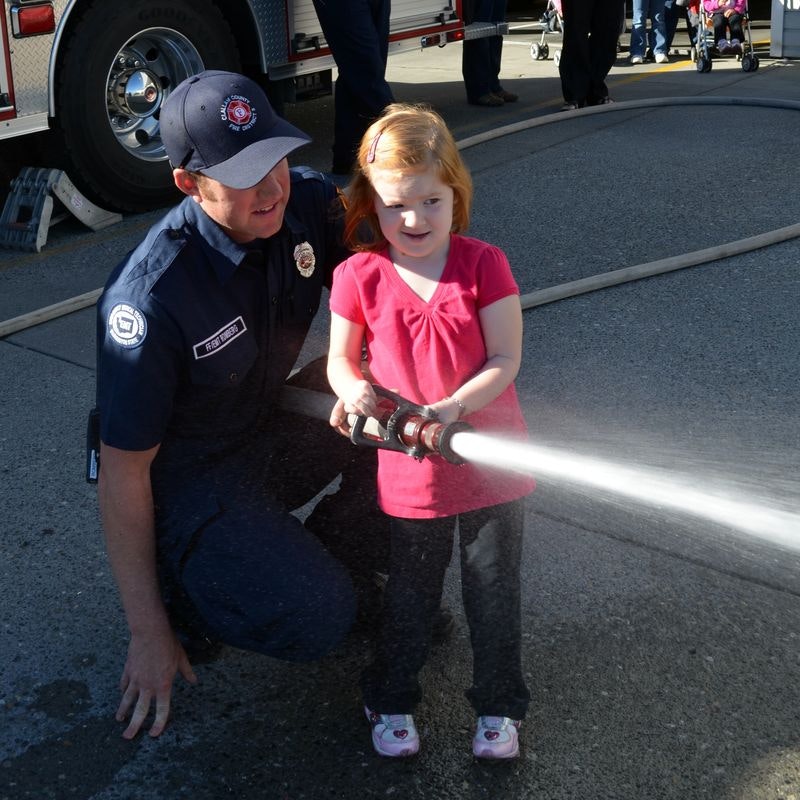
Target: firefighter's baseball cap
221	124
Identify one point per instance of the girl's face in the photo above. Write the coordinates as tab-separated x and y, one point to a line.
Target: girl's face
415	212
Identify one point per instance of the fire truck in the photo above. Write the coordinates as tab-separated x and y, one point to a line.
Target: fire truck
95	72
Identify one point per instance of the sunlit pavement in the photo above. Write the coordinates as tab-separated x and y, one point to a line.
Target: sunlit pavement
661	648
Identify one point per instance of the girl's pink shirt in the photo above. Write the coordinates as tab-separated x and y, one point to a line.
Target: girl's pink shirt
425	351
712	6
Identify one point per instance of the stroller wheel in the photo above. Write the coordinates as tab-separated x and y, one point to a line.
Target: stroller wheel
536	51
703	64
693	54
749	62
557	57
545	50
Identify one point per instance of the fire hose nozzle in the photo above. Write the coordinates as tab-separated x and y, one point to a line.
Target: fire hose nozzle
406	427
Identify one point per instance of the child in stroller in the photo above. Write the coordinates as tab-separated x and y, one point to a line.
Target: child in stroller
725	15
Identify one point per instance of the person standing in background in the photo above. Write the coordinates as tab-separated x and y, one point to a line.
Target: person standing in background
653	10
591	31
357	33
480	59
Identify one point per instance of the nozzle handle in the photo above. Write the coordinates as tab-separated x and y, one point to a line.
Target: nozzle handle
389	425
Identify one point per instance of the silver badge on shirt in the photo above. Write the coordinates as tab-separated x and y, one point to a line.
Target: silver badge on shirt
305	259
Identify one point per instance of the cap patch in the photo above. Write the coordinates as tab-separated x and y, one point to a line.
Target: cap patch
238	112
127	325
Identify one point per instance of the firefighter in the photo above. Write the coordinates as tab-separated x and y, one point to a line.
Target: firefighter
198	329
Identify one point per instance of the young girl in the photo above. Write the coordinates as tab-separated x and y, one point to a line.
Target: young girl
727	14
443	327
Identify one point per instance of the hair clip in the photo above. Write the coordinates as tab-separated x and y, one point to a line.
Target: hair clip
373	147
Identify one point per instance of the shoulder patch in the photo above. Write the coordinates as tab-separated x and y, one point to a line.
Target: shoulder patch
127	325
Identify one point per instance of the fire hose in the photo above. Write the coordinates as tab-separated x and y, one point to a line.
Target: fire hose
399	424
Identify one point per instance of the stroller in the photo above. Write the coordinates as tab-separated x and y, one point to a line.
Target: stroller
552	21
707	46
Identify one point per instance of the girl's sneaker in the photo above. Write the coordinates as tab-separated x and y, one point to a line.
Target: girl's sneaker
496	737
393	735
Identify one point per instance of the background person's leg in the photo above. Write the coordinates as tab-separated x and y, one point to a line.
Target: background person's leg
574	66
357	31
603	47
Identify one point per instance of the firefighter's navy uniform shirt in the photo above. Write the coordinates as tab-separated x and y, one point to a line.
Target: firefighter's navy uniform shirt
197	334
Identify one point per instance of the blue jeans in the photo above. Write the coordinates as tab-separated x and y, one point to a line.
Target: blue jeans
642	11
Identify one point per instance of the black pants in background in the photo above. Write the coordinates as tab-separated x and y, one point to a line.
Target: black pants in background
591	31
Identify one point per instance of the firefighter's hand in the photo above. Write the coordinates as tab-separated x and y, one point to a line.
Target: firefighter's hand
153	660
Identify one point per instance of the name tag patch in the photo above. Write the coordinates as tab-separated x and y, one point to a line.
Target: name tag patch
222	338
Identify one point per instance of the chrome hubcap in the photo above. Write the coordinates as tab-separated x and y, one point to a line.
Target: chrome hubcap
143	73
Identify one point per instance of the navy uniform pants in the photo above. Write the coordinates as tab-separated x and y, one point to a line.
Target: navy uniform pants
357	31
481	58
237	567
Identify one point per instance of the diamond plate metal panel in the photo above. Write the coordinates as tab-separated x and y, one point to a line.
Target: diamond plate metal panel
270	16
30	64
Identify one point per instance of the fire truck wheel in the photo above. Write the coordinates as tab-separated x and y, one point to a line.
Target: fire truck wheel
118	64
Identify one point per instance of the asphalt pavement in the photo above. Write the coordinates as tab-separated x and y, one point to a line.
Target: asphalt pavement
662	647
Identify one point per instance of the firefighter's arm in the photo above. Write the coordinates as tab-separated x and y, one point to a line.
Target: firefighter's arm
154	652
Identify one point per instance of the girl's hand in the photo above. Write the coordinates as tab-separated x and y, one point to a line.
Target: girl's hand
338	419
447	410
360	399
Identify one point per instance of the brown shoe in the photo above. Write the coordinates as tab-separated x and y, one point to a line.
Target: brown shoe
489	100
506	97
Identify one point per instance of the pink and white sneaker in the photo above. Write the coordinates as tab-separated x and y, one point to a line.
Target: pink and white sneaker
393	735
496	737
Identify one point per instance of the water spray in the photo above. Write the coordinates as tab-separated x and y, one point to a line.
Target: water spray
415	430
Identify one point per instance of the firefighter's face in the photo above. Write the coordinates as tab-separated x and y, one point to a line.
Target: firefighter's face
245	214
